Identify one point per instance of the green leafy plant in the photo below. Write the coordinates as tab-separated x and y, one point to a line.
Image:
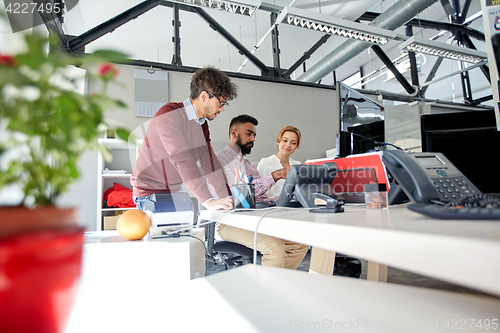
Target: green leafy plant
45	125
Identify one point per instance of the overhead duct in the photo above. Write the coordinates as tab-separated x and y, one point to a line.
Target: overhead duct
391	19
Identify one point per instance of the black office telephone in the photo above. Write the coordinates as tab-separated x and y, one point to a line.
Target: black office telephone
425	178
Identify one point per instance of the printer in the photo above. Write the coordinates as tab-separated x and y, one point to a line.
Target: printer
169	213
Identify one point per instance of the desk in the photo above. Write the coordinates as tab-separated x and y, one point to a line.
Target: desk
268	299
108	258
463	252
117	272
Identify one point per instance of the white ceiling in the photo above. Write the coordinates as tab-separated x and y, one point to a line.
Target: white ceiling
149	37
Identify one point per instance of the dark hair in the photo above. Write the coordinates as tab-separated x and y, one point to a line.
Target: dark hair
242	119
213	80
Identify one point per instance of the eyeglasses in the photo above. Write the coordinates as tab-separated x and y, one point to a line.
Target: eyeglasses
222	104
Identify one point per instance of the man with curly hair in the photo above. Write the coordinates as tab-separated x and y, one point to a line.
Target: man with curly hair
178	137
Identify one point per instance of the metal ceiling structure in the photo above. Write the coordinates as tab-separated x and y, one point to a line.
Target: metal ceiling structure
458	26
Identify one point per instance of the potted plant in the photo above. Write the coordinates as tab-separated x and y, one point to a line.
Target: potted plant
44	127
45	124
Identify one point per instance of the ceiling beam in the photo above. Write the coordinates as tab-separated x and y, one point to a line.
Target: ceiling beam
176	37
448	9
53	21
451	27
388	63
464	76
480	100
385	94
465	10
79	42
432	75
230	38
468	42
276	46
413	59
306	56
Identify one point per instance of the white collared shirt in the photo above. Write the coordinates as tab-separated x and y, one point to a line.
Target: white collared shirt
191	112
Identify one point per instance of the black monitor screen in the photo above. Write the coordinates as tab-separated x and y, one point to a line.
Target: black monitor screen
473	153
361	122
367	137
460	121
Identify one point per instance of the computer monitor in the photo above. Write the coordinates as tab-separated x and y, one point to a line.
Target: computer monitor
459	121
303	180
474	153
361	122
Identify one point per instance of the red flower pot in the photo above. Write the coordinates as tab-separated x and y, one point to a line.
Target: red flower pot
39	272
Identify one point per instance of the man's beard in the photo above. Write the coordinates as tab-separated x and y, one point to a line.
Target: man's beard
245	149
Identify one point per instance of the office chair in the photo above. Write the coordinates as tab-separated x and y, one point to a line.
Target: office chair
228	253
233	255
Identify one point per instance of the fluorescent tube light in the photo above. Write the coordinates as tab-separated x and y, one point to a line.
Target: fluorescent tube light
248	7
443	50
335	26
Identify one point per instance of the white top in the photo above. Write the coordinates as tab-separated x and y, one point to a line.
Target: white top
271	164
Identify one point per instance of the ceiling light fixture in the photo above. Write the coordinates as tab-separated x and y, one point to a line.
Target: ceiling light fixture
443	50
335	26
247	8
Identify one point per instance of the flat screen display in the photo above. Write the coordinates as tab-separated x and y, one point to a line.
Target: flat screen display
361	122
474	154
459	121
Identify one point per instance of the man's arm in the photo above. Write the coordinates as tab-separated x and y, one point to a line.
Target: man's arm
263	184
215	174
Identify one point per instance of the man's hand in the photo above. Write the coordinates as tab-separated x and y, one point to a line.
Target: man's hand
280	174
224	203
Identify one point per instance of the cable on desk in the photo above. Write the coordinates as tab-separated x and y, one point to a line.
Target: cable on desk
202	242
258	223
255	237
477	200
177	232
179	235
271	209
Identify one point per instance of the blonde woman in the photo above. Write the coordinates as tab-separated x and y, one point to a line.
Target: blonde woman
288	141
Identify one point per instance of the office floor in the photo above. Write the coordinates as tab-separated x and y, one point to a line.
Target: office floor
394	276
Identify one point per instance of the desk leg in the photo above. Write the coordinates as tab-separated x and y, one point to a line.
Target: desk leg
376	272
197	254
322	261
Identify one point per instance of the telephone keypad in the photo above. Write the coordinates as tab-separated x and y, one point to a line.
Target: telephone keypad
453	188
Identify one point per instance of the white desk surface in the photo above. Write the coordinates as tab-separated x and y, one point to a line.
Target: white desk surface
267	299
117	272
108	256
458	251
113	236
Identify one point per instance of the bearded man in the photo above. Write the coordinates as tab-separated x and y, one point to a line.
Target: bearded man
275	252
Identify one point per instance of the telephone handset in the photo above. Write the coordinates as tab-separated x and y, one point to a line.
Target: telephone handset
426	177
